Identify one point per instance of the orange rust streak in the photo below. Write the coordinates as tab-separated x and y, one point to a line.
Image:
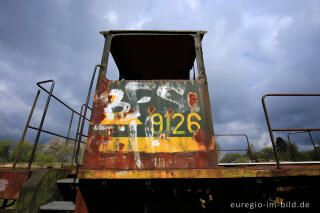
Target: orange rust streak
199	173
192	99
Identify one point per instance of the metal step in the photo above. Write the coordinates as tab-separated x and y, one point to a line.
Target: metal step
68	180
58	206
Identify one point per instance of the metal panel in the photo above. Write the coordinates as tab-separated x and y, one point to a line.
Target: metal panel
11	182
150	125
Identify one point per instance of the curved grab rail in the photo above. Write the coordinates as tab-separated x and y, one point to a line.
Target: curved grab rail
41	122
248	144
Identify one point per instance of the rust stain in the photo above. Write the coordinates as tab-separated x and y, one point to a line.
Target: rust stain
131	111
99	101
192	99
151	109
162	135
169	111
98	113
103	86
122	160
110	132
203	138
109	98
95	141
200	80
121	146
118	116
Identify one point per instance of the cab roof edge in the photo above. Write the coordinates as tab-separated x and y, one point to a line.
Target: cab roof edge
153	32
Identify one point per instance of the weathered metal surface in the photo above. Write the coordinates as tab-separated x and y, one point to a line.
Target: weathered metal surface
157	124
80	206
11	182
239	172
58	206
40	188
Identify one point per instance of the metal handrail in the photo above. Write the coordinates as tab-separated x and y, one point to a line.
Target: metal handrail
248	143
55	134
276	155
20	143
310	136
41	123
39	129
55	97
85	112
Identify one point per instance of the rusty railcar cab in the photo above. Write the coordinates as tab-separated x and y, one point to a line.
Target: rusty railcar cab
157	116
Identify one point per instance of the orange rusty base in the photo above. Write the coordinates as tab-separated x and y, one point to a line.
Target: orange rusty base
243	172
11	182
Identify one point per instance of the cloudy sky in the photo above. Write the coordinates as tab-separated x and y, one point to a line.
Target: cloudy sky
252	48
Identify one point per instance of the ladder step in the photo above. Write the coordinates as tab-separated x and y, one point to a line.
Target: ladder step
59	206
68	180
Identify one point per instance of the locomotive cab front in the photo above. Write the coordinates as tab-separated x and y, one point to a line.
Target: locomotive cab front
154	117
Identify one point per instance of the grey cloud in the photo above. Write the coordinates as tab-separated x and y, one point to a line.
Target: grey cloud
251	48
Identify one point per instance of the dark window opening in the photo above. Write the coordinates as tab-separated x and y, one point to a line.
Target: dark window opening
151	57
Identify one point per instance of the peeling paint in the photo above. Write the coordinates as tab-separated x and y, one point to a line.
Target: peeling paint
154	125
3	184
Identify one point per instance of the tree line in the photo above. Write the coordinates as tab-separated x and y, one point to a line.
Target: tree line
286	150
53	151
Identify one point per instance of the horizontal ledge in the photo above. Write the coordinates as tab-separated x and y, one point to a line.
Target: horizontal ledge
247	172
297	129
270	163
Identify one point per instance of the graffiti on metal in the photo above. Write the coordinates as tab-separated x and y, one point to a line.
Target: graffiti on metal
151	117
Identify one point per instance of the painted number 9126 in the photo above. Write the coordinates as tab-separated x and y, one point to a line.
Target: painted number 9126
157	120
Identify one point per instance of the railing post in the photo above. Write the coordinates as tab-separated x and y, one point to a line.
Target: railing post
249	147
66	144
77	143
275	152
21	141
314	146
291	147
85	112
77	135
41	124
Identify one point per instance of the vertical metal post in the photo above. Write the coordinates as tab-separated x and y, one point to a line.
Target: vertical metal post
199	59
249	148
291	146
21	141
270	132
66	144
41	123
314	146
77	135
85	112
288	135
4	204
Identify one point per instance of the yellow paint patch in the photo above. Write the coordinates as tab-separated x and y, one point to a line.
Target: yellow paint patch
214	142
153	145
119	118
